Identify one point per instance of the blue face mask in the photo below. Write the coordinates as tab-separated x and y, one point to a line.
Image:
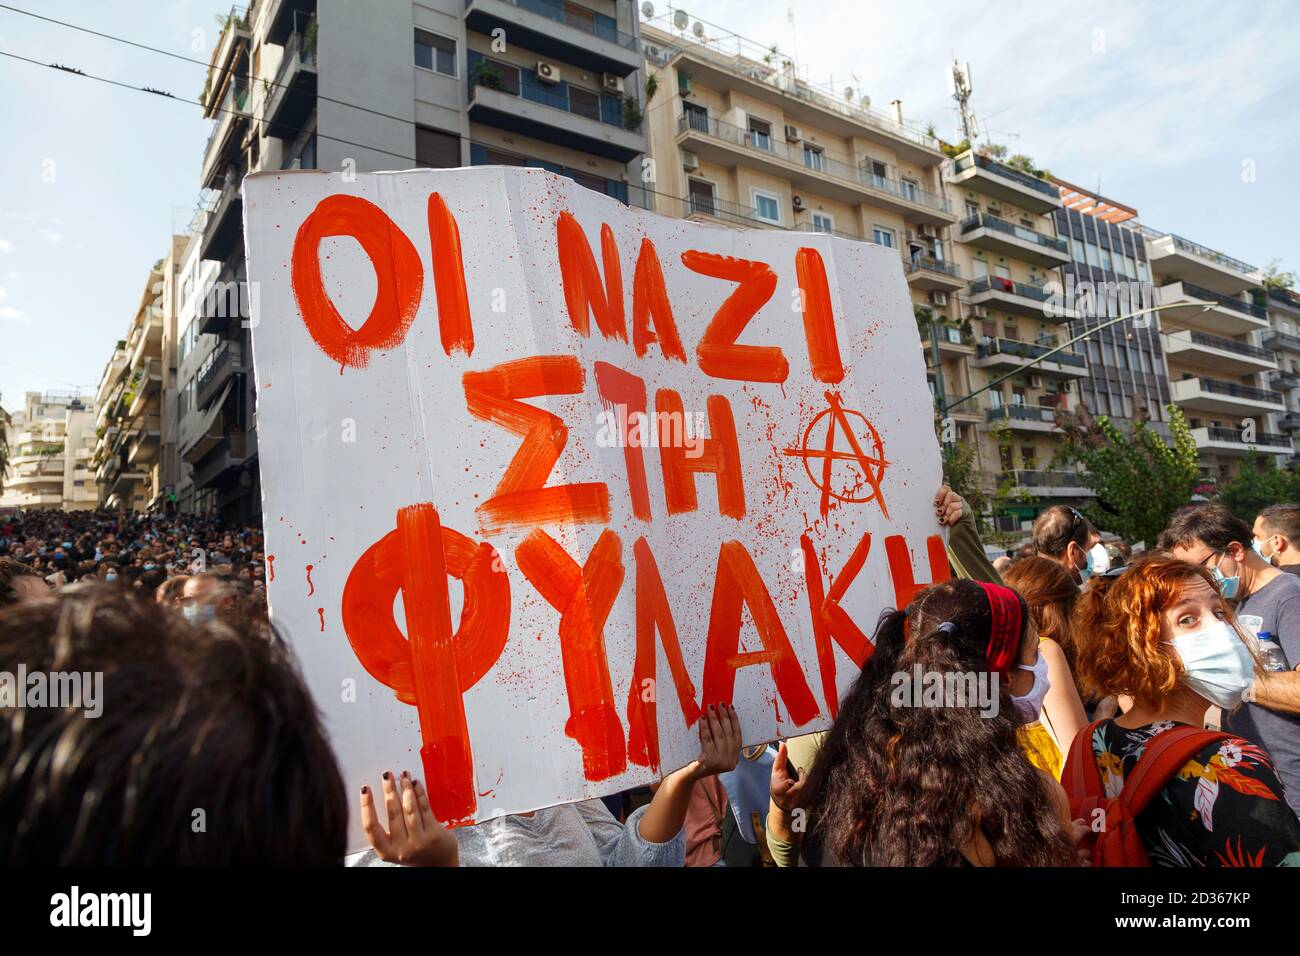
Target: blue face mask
1259	550
1217	665
199	613
1227	585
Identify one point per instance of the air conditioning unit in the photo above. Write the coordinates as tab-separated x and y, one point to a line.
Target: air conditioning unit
1035	381
547	72
910	235
939	298
792	134
798	204
978	312
611	83
690	161
927	230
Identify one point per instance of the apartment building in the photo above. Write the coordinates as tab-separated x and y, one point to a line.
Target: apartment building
50	441
132	469
739	138
1283	339
359	87
1219	371
1006	245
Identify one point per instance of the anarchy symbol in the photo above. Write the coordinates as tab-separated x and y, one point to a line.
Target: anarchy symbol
865	456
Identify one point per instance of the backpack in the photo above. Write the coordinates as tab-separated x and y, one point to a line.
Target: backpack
1117	841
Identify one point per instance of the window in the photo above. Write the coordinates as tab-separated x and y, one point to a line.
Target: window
1077	248
1003	271
814	157
697	117
436	149
1093	259
584	103
767	207
979	268
972	209
879	172
760	133
700	198
1004	453
1018	396
1105	260
882	237
909	190
1028	457
822	222
433	52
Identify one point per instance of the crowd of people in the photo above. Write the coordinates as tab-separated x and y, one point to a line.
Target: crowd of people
1095	706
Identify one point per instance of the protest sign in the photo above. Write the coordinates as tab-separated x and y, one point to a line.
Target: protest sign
543	474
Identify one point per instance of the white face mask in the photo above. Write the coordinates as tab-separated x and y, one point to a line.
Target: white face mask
1218	664
1098	559
1030	706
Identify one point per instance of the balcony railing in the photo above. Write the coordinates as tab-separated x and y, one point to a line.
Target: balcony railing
1023	413
949	335
931	264
836	168
999	284
1284	379
1044	479
233	105
998	169
1228	301
577	16
1228	345
722	209
984	220
1027	351
1282	340
1204	252
1268	439
1234	390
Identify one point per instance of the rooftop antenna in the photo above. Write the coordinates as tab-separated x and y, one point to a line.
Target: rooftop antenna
959	88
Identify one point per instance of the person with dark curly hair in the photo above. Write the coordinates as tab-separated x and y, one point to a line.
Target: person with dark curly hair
943	781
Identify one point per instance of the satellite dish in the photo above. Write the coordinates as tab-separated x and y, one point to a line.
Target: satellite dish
848	93
698	29
680	19
866	102
648	10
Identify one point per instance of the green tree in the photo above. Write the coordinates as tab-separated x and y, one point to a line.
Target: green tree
1260	483
1140	481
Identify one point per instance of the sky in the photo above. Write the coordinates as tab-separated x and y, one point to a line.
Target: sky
1185	111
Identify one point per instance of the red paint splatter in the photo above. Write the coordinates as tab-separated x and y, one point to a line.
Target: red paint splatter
309	584
321	611
270	567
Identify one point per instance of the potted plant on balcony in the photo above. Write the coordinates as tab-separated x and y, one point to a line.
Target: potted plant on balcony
632	114
486	74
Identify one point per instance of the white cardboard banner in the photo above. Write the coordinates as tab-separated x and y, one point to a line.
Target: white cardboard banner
667	464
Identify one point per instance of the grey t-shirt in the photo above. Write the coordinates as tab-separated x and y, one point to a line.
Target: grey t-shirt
1275	608
571	834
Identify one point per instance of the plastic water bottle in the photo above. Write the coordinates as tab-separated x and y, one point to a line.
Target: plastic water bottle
1271	655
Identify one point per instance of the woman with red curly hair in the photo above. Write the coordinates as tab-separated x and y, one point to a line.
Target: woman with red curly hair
1161	634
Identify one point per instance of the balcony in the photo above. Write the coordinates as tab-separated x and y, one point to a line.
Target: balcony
1203	350
1284	380
1000	181
1282	342
293	97
547	114
1048	484
1227	314
1228	441
1172	255
930	274
952	344
282	15
815	172
224	302
226	139
112	375
1224	398
224	230
142	448
1289	422
555	30
1039	419
711	209
1008	239
1283	300
1008	354
1019	298
225	363
224	461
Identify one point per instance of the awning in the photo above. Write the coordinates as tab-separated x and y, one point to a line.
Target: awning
208	435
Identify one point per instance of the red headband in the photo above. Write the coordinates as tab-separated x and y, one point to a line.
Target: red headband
1004	635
